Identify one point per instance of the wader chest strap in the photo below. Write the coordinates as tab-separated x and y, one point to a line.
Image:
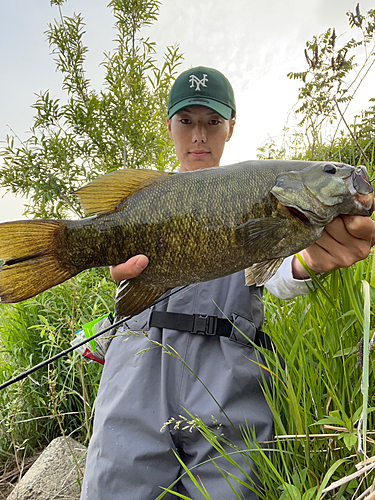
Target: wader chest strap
192	323
202	325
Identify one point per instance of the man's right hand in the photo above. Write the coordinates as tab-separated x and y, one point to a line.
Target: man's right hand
130	269
345	241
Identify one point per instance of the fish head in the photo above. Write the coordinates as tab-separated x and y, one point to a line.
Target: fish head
322	191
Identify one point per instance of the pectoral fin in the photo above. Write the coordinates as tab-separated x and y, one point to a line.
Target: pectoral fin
264	233
134	296
259	274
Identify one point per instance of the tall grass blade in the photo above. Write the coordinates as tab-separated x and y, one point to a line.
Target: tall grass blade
365	365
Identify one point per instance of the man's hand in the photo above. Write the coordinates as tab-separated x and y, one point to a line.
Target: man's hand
346	240
130	269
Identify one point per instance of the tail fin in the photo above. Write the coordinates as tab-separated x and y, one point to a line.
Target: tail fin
30	250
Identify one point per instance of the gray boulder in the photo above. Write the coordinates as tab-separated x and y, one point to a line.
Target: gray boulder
54	476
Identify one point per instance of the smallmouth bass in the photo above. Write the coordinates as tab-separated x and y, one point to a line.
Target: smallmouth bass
193	226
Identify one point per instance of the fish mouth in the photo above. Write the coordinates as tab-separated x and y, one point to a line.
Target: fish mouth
367	202
361	181
362	189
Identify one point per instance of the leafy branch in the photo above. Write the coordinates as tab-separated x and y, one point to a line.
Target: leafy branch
94	131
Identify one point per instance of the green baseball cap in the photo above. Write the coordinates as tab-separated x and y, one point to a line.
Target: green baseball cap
202	87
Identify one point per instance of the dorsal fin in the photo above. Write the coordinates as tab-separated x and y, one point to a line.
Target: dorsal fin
106	192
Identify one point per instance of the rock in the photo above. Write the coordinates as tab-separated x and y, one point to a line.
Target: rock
54	476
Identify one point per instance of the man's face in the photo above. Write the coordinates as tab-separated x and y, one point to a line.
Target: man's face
199	135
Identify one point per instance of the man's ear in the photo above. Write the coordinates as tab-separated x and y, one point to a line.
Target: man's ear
169	128
232	123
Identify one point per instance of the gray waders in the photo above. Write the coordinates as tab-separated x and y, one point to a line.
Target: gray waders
129	458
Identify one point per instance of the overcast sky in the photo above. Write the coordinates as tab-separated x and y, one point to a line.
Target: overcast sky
254	43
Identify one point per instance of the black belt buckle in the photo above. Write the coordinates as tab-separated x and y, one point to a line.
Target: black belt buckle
204	325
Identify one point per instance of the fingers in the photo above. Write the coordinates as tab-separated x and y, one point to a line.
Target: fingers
345	241
129	269
360	227
317	258
352	239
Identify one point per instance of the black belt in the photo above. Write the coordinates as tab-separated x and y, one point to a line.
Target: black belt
202	325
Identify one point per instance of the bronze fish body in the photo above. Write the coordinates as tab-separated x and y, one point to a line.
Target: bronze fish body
193	226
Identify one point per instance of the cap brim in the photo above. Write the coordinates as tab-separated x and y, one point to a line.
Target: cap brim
221	109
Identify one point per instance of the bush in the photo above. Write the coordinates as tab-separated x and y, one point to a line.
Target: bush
63	393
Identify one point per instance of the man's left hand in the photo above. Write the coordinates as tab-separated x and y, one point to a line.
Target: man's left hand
345	241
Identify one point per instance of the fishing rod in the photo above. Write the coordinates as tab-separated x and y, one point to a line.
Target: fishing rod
26	373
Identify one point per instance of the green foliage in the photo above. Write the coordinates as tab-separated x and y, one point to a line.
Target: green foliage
320	390
323	80
341	149
94	132
329	84
65	391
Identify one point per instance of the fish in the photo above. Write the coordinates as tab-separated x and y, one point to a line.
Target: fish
193	226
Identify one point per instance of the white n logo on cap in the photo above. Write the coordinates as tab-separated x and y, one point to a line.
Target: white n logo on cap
195	80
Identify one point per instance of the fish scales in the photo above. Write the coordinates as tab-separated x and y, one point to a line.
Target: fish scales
193	226
171	221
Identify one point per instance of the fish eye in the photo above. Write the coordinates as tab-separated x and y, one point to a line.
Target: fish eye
330	169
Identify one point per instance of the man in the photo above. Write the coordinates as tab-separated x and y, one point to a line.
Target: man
129	457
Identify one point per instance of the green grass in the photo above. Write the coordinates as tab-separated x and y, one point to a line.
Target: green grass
321	338
61	396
